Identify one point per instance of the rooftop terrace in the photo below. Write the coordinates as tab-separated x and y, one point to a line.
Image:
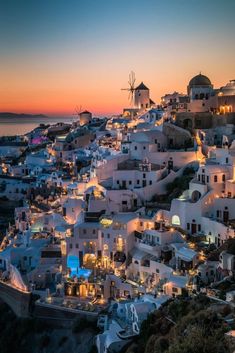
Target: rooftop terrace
135	165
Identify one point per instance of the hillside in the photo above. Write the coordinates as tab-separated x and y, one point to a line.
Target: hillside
185	326
36	336
5	115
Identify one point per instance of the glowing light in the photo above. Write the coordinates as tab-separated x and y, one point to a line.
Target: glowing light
106	222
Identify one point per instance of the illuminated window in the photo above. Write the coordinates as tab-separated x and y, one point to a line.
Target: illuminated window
175	220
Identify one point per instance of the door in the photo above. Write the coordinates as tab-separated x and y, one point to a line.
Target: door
225	216
193	228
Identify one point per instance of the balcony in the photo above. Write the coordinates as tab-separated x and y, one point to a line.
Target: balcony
147	246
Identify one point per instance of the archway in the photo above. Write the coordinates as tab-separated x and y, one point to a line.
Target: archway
89	260
175	220
195	196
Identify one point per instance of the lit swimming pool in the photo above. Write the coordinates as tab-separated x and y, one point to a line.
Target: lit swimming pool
75	269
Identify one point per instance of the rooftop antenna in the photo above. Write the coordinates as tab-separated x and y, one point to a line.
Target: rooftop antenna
131	88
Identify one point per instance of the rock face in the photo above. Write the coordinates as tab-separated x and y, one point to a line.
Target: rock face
182	326
37	336
177	137
18	301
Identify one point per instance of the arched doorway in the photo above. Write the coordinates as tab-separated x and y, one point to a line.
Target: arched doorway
89	260
195	196
175	220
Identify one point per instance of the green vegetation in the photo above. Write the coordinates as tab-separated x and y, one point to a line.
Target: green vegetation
185	325
176	188
181	183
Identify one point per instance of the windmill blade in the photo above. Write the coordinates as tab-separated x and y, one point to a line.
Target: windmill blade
131	89
132	80
78	110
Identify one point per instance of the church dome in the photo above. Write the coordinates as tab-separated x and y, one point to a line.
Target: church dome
199	80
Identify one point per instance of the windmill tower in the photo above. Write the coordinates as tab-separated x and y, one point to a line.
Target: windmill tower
131	88
84	116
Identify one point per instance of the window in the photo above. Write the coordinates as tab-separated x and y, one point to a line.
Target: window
124	202
144	175
71	246
135	147
176	220
203	170
215	178
77	246
138	181
130	182
84	231
223	177
155	141
114	240
174	290
226	160
188	226
199	177
144	147
199	227
141	224
118	182
217	213
93	231
150	182
108	235
102	235
207	179
157	270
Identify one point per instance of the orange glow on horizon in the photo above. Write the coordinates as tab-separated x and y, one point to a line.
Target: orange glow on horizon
64	101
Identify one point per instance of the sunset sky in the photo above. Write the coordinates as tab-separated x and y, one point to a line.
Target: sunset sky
59	54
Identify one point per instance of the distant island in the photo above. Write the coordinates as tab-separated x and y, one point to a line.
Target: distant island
21	116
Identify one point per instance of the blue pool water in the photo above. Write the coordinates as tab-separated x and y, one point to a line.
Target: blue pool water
76	270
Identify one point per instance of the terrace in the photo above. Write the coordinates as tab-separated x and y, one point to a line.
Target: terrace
136	165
